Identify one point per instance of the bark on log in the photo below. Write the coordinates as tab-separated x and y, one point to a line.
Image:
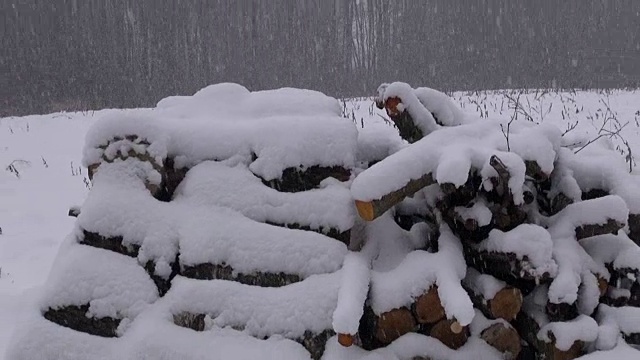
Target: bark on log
370	210
503	338
403	121
505	304
534	171
209	271
528	328
561	311
75	317
162	284
298	179
154	189
315	343
589	230
343	237
109	243
173	178
504	266
428	307
467	229
393	324
634	228
450	333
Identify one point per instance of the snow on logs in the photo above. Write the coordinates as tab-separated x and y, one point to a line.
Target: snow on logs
534	218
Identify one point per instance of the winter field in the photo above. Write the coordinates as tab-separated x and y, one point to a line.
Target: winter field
41	176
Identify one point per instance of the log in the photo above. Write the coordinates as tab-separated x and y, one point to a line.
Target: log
173	178
534	171
504	266
208	271
403	121
588	230
393	324
314	343
561	311
299	179
161	283
467	229
528	328
634	299
154	189
503	338
342	236
370	210
345	340
113	243
634	228
450	333
428	307
505	304
75	317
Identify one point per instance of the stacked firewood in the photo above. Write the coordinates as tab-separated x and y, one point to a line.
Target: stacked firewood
503	285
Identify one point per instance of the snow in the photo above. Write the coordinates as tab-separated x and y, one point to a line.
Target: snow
354	288
204	234
451	152
418	272
626	318
574	264
478	211
288	311
618	250
621	352
50	178
111	284
411	346
583	328
225	120
483	284
212	183
597	167
528	241
440	104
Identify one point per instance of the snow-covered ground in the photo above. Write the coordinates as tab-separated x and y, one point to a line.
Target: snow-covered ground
41	176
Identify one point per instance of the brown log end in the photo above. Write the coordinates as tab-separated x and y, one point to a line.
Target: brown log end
393	324
506	304
428	307
603	285
391	106
365	210
443	331
574	351
503	338
345	340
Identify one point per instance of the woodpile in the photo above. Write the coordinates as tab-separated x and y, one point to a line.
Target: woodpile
501	279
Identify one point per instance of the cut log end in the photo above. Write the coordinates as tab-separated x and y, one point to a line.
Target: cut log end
345	340
506	304
503	338
391	106
456	328
365	210
393	324
444	331
428	307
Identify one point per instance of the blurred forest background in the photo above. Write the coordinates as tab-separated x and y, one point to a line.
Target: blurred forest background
87	54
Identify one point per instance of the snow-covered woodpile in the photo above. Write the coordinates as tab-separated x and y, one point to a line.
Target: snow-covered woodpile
263	225
544	238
